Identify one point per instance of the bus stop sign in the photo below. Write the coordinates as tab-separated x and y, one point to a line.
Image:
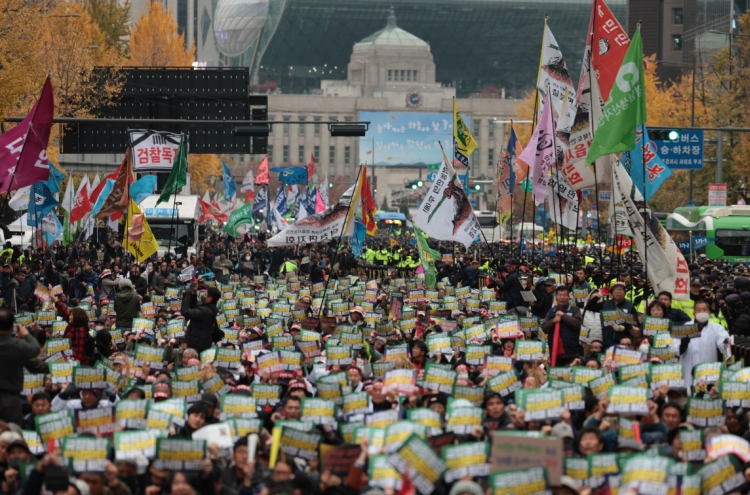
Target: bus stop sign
684	154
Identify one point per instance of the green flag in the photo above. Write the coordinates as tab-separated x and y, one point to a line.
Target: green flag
428	256
177	177
67	234
238	217
626	108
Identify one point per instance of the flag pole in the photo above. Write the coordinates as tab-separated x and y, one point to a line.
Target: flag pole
341	236
645	224
512	197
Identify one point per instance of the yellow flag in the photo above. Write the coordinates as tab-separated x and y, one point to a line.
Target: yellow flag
462	138
146	244
355	204
589	240
394	242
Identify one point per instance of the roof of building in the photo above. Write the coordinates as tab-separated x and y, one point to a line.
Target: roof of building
391	34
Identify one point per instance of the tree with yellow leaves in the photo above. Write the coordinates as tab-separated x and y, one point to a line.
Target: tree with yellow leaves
201	169
154	41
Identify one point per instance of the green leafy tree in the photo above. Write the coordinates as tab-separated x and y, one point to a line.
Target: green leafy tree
384	206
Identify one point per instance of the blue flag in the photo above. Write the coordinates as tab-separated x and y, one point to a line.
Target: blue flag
358	239
142	188
312	195
291	175
298	202
109	184
656	170
230	188
261	200
55	178
41	202
281	203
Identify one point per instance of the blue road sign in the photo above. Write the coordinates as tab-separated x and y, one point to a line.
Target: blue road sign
685	154
431	176
691	203
605	196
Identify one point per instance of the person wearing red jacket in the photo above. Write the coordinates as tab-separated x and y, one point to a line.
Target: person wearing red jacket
78	327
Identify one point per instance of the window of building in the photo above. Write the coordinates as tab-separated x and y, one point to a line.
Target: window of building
390	75
301	154
403	75
286	154
678	16
331	155
357	75
269	148
491	129
286	124
301	126
316	153
677	42
491	157
317	125
475	126
347	155
270	127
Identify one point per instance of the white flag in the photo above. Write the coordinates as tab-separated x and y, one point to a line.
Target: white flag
302	213
248	183
68	201
323	190
563	201
207	197
555	79
20	200
446	213
667	268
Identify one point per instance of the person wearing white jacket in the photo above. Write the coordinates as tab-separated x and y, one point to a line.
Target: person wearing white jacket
714	339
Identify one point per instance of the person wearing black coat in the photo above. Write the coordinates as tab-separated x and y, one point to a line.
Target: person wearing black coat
201	318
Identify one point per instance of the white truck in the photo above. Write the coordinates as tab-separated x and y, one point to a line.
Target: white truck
174	222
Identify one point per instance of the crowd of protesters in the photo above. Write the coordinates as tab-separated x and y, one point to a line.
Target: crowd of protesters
593	314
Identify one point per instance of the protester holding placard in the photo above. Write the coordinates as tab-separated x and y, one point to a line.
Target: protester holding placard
14	352
77	331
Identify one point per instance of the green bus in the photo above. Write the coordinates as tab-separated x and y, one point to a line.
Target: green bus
725	228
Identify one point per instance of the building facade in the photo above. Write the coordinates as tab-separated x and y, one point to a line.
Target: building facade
390	72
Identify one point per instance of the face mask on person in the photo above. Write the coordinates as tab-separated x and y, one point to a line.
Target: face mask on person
98	327
247	258
701	317
184	265
643	347
149	268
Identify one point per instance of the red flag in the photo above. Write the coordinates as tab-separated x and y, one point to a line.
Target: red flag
119	197
23	149
557	347
606	48
262	176
249	196
311	168
407	487
82	205
368	205
210	211
98	189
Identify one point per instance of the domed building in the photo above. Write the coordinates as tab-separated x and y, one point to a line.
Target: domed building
390	82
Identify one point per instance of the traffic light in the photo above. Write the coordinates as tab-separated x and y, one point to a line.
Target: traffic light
475	185
672	135
330	185
415	184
